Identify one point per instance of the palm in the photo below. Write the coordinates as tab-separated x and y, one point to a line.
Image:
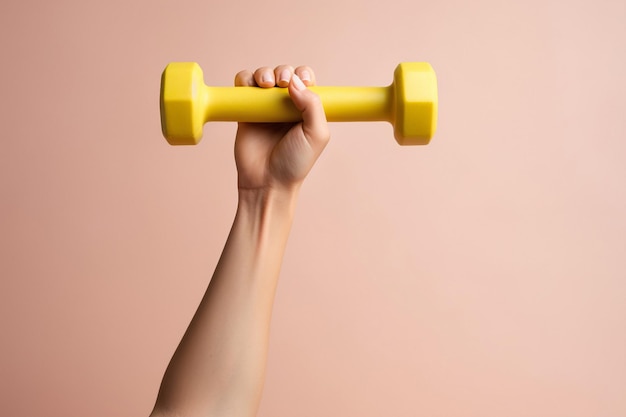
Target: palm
270	155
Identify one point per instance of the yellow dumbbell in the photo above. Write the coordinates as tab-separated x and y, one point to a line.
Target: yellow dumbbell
409	103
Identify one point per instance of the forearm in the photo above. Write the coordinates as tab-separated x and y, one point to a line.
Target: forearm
219	366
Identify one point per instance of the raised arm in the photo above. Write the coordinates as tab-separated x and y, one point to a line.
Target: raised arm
218	368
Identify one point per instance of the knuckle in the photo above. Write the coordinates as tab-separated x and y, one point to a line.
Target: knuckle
315	99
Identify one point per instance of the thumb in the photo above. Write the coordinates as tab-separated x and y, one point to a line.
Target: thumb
314	123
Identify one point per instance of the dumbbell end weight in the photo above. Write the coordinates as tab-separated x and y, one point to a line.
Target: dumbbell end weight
409	103
183	103
415	103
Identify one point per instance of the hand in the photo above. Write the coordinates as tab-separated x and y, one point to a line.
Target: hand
280	155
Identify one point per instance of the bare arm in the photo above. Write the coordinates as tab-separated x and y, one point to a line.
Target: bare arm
219	366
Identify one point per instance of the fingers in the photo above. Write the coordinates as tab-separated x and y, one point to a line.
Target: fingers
283	74
245	78
278	77
306	74
296	80
314	123
264	77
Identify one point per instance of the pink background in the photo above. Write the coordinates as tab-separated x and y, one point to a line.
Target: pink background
482	275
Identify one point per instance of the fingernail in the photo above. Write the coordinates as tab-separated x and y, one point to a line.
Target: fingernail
266	78
306	76
297	82
284	76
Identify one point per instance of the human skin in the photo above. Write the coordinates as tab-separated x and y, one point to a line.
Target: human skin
218	369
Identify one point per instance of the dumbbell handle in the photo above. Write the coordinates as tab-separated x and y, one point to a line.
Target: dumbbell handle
253	104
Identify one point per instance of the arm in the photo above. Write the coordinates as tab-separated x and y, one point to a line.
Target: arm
219	366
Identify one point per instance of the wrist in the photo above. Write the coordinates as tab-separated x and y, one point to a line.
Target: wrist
270	209
269	198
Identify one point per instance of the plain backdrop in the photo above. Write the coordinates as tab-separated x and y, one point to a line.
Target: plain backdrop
481	275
